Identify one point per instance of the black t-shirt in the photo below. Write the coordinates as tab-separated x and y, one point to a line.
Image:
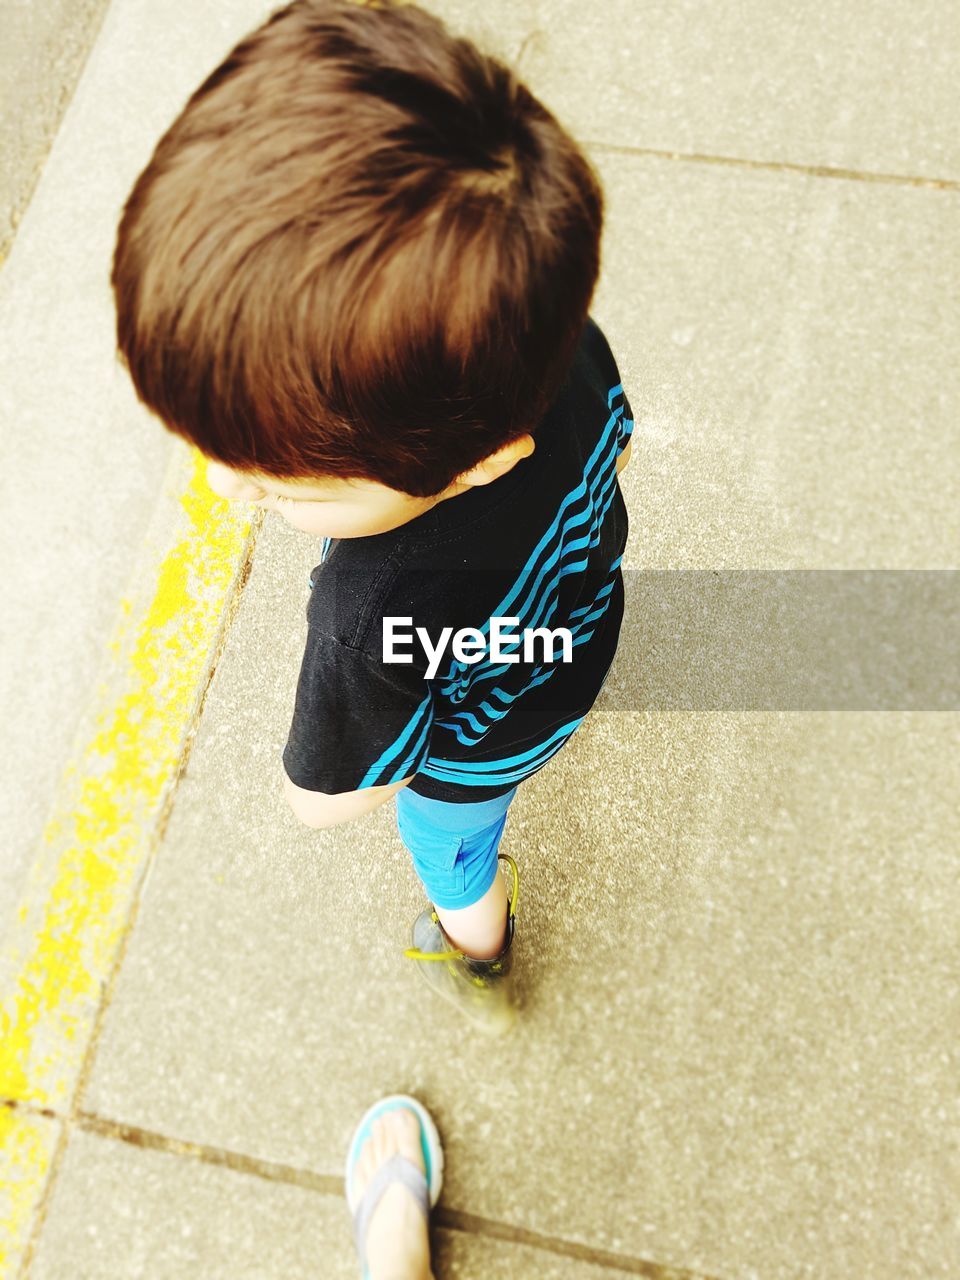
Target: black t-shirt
542	545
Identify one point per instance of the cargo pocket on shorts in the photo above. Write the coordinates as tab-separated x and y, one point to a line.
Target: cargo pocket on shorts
436	857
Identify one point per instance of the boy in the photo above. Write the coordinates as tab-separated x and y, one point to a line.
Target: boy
356	275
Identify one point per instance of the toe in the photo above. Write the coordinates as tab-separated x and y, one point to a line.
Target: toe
394	1131
396	1236
407	1130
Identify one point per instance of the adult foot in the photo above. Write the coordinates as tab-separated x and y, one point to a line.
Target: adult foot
397	1244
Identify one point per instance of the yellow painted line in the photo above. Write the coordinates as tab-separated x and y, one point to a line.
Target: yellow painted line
105	817
27	1144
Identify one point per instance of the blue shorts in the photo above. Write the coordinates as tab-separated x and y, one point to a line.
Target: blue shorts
454	846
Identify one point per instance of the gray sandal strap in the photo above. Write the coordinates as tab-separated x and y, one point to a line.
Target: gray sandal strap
397	1169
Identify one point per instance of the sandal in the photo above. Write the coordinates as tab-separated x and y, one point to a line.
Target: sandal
424	1187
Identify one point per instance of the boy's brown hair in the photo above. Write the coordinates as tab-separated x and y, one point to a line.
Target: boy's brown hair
363	250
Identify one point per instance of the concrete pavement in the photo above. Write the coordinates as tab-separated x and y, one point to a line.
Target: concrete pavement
739	945
42	54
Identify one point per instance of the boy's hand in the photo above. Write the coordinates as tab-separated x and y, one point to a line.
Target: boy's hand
320	809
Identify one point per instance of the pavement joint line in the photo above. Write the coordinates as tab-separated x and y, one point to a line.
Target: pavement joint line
29	1231
330	1185
811	170
109	813
11	1104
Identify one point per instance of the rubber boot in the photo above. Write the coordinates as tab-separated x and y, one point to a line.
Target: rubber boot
481	989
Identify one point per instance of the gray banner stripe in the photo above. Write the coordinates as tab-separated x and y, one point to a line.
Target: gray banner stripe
803	640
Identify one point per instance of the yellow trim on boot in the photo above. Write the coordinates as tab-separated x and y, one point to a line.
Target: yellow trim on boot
413	953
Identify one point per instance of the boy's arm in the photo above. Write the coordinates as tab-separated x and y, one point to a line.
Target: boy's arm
624	456
320	809
360	731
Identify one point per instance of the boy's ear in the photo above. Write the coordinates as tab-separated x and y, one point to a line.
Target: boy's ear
499	463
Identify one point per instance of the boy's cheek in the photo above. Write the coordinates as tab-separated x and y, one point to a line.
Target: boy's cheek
324	525
229	486
314	525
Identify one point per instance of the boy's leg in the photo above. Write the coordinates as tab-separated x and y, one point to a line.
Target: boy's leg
454	849
481	930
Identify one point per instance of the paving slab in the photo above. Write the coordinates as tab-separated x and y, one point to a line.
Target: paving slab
783	345
869	86
42	54
120	1212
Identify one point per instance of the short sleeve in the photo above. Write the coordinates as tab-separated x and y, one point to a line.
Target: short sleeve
624	426
617	400
357	721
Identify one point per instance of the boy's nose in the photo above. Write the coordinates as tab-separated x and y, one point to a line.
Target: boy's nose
230	484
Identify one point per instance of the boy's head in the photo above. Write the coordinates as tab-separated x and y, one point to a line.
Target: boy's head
359	260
